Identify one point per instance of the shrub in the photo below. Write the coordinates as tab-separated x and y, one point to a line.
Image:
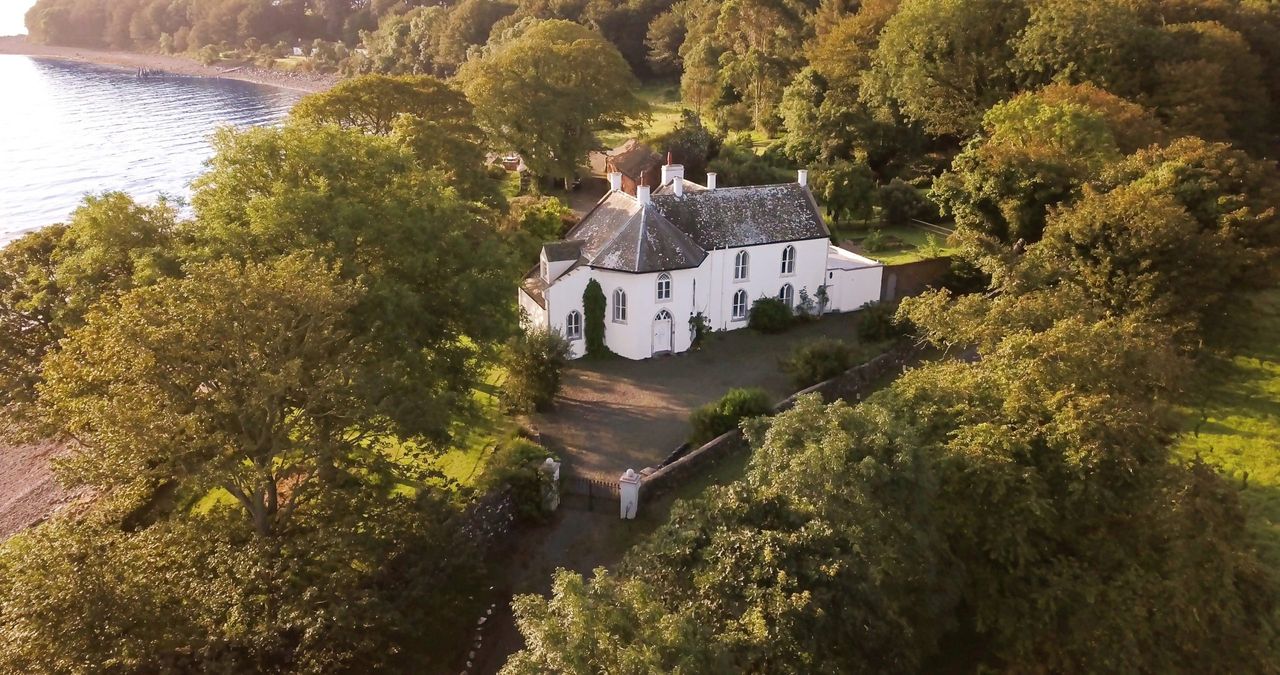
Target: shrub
700	326
817	361
719	417
900	202
533	361
517	464
208	55
878	323
770	315
874	241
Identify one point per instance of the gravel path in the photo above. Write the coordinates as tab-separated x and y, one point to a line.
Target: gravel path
617	414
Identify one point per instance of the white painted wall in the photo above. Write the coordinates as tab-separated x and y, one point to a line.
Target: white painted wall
707	289
765	278
849	290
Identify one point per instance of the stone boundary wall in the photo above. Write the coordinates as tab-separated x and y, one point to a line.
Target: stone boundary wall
908	279
852	386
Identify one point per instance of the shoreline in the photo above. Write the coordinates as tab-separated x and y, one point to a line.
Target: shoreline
307	83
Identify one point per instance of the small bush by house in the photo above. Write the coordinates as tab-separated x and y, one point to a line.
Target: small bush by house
719	417
878	323
534	361
516	463
818	360
770	315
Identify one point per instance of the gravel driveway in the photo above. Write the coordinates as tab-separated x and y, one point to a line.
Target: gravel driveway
617	414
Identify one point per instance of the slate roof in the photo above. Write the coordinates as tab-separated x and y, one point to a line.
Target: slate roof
675	232
634	161
689	186
744	216
620	235
535	286
560	251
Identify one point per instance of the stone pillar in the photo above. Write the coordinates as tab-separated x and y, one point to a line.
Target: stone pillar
629	492
551	488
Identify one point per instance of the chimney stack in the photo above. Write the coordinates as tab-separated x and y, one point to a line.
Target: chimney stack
671	172
711	180
642	194
802	177
615	181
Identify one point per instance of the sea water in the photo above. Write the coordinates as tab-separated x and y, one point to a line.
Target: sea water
68	129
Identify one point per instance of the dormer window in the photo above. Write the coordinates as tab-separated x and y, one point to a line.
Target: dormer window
545	270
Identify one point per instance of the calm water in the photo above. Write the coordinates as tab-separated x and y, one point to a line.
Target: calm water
67	129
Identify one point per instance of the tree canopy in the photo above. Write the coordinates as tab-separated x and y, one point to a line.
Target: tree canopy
547	91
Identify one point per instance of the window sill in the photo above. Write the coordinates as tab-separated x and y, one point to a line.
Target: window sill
786	275
663	301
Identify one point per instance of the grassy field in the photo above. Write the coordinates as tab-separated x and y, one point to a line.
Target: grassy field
912	243
664	114
1236	423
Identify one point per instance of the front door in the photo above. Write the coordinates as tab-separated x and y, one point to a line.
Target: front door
662	332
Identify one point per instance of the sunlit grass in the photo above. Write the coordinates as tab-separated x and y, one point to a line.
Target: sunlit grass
1235	421
912	245
664	114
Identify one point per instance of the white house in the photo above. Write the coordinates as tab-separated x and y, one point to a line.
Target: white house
667	255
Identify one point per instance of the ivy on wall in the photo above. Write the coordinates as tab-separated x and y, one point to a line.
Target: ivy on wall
593	305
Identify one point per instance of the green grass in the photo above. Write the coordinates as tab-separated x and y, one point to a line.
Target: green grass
664	114
1234	423
476	439
914	242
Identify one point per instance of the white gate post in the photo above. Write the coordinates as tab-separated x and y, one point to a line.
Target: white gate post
551	489
629	494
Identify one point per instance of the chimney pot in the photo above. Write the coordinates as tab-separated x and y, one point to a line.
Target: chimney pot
642	194
802	177
678	186
615	181
711	180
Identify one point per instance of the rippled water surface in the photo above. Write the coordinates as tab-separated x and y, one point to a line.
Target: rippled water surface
68	128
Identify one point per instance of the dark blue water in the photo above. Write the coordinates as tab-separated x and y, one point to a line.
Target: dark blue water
67	129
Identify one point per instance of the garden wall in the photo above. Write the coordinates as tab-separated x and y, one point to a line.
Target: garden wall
853	385
908	279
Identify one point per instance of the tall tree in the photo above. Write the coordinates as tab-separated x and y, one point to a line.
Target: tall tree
942	63
546	92
357	201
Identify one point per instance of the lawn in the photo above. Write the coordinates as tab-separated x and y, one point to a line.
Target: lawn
1235	424
904	243
664	109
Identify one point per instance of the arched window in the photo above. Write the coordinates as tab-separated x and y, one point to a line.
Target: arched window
741	265
664	287
787	295
739	305
789	260
619	306
573	325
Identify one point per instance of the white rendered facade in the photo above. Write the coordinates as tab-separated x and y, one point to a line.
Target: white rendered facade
661	303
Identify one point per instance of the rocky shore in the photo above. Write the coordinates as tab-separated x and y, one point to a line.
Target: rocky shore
171	64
